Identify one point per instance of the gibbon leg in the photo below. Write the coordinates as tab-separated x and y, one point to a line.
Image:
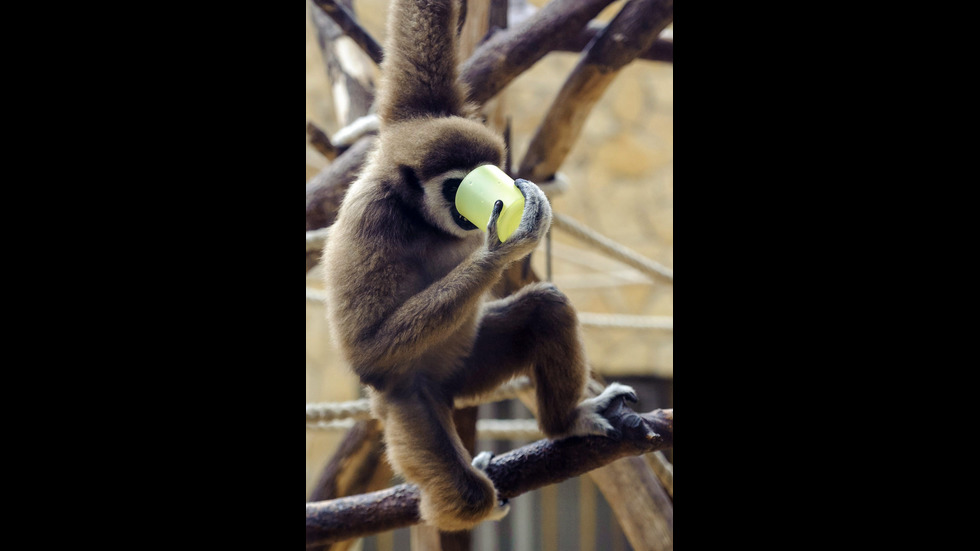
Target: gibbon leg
533	331
424	447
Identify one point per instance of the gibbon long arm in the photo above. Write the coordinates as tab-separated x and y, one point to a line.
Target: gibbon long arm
430	316
421	52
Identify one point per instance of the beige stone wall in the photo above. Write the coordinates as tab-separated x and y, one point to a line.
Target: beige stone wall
621	175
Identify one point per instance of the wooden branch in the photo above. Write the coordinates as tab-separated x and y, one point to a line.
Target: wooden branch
632	31
648	520
325	190
358	466
507	54
320	141
663	469
362	448
641	506
348	69
346	20
514	473
662	49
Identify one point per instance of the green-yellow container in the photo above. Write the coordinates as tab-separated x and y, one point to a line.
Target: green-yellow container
478	192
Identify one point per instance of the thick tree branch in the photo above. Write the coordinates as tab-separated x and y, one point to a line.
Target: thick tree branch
507	54
642	507
662	49
361	448
357	467
631	488
348	68
632	31
514	473
325	190
320	141
346	20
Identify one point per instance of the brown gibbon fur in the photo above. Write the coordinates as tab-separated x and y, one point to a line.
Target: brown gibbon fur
409	281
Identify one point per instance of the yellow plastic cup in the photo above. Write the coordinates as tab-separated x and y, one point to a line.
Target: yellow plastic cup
478	192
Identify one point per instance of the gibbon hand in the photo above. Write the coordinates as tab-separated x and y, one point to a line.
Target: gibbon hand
535	222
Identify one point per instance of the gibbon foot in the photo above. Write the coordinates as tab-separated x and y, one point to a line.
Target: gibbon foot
481	462
590	420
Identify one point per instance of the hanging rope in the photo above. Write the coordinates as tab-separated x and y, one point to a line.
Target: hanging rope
613	249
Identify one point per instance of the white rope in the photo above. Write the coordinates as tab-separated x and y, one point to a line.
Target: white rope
341	416
587	319
331	426
490	429
330	411
318	414
368	124
508	429
622	320
315	295
613	249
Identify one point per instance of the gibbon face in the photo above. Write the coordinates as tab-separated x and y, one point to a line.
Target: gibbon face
433	156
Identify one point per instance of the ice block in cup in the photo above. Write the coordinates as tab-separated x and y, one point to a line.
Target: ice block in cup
480	189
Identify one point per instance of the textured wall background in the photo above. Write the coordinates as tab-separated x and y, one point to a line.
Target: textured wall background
621	173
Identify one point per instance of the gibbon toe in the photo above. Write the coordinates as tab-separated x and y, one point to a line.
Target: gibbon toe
590	420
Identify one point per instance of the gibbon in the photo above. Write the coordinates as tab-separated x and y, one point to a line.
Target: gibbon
408	281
